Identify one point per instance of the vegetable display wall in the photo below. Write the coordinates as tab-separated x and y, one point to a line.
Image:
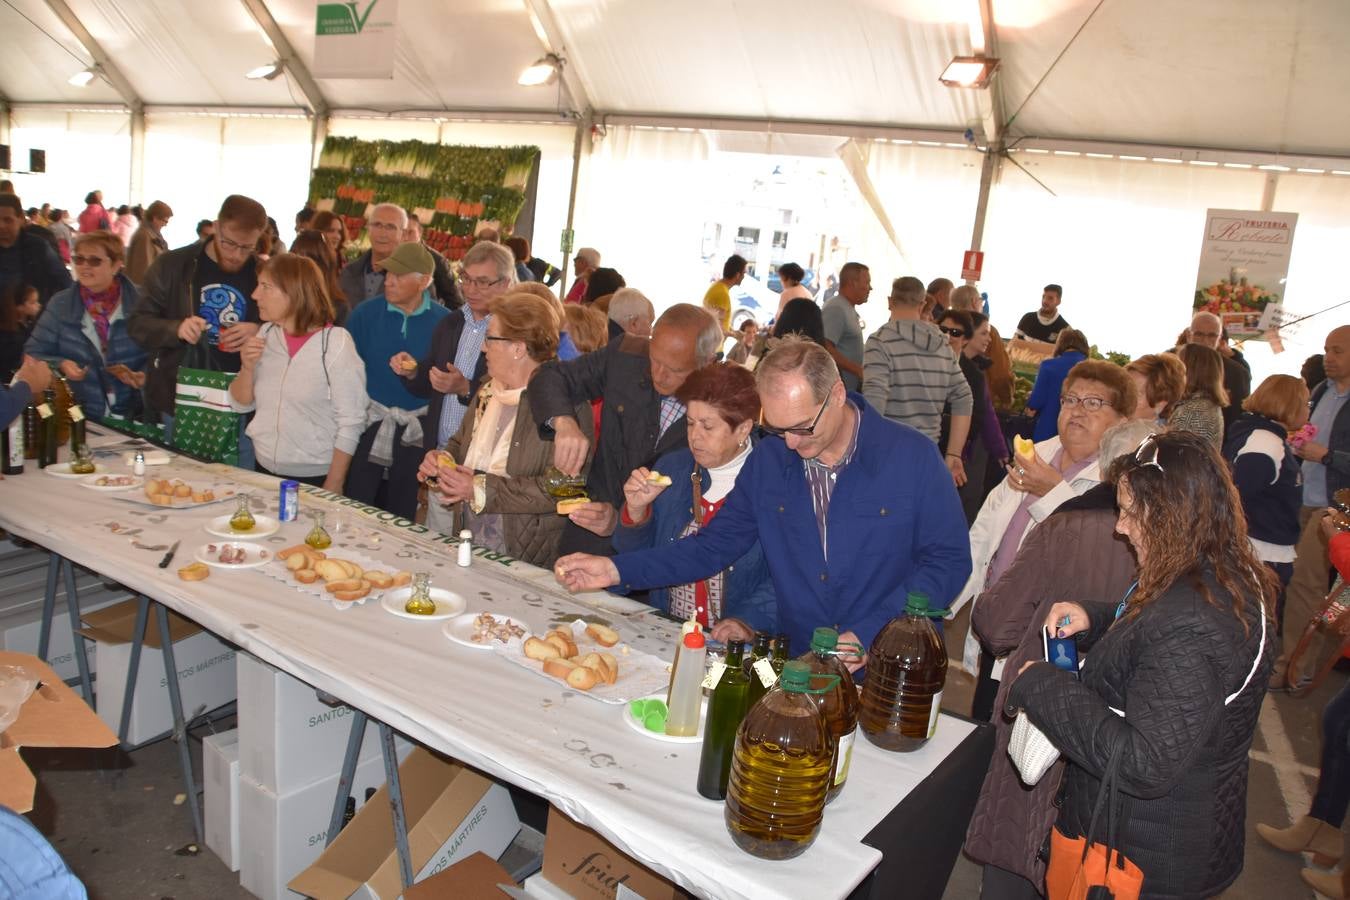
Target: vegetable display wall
455	191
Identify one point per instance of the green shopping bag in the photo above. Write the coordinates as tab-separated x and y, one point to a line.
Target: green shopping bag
204	424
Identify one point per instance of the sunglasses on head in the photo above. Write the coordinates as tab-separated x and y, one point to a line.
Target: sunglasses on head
951	331
1147	453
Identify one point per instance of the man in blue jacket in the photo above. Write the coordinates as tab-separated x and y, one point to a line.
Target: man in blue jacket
852	512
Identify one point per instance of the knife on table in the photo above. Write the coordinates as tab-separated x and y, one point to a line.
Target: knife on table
168	557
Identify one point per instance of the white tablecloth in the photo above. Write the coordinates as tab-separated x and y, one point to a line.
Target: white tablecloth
571	750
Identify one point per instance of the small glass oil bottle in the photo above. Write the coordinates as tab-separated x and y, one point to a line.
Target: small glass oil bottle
318	537
420	603
81	460
242	520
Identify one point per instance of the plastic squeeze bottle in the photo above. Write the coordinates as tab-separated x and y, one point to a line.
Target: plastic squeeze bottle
686	691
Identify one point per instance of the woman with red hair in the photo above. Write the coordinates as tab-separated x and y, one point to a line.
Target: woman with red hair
723	406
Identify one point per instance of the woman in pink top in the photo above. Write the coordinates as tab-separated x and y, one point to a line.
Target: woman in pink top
94	217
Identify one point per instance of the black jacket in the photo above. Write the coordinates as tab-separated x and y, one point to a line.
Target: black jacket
1271	493
630	419
1338	465
166	300
1237	381
38	263
444	344
1184	767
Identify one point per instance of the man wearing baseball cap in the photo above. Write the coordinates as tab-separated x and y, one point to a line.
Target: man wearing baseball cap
397	323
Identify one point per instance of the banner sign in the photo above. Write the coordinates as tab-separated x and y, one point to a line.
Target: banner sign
1244	260
355	39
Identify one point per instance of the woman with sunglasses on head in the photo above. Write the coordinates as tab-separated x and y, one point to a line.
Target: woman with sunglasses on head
1095	396
723	406
83	331
1175	678
303	377
1071	348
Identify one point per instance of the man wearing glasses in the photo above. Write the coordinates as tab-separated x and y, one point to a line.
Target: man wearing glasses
1207	331
362	279
196	307
852	512
449	374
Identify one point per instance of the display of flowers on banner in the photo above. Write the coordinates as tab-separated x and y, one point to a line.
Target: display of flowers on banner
1234	295
455	191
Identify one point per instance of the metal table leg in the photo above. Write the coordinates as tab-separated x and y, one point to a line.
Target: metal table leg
354	739
179	724
48	605
73	613
396	804
134	667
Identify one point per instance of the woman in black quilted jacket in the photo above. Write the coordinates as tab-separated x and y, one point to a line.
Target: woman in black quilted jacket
1176	675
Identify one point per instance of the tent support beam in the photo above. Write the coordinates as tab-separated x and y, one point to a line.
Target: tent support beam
287	56
1268	191
550	35
583	130
991	115
138	154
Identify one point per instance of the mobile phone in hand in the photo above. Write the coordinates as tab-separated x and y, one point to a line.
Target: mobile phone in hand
1062	653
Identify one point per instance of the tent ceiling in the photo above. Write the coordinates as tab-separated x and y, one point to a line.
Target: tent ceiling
1235	74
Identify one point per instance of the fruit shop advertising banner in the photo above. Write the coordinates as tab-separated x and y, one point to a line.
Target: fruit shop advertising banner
455	191
1244	259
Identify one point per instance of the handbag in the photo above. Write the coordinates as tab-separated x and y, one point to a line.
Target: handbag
204	423
1031	751
1083	869
1323	642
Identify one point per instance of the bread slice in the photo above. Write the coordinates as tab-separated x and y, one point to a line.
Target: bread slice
534	648
559	668
602	634
565	507
566	647
582	678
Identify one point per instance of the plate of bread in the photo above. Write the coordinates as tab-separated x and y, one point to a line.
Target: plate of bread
590	658
176	493
343	581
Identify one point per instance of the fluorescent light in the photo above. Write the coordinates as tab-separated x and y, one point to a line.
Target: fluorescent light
83	77
1036	150
969	72
1067	153
1313	171
268	72
542	71
1101	155
1273	168
1238	166
1167	159
1203	162
1133	158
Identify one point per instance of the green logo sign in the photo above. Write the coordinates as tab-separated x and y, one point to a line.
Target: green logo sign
342	18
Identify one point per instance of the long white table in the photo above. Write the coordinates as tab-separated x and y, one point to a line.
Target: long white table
521	728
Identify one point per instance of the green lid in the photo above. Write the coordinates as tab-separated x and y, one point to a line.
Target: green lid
917	603
796	677
824	640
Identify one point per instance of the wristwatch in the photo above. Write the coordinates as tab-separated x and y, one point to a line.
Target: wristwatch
1326	457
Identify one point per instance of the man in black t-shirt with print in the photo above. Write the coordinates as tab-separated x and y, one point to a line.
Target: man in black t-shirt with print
196	306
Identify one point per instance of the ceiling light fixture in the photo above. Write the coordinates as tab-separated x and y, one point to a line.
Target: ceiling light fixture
969	72
542	71
268	72
84	76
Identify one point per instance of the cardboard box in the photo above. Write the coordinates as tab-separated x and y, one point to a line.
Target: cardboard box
206	677
54	716
220	776
287	738
282	834
19	632
451	811
475	876
584	865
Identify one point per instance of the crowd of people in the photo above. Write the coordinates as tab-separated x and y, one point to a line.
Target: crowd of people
811	474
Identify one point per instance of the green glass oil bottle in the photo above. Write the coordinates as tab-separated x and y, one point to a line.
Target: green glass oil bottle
726	707
762	650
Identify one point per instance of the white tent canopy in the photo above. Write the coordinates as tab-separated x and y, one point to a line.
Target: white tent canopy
1137	114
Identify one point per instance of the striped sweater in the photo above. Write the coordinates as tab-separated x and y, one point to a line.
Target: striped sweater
910	373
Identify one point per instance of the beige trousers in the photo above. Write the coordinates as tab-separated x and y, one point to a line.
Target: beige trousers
1308	587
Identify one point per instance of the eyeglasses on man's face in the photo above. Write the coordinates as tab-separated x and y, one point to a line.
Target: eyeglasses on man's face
797	430
481	284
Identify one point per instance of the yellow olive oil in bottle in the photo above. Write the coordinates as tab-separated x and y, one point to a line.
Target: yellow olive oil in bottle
420	603
318	535
839	703
780	771
242	520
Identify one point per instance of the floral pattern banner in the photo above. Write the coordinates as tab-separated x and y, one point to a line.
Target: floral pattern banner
1244	260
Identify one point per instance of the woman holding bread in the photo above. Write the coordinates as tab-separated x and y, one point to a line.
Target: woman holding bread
489	477
684	491
302	376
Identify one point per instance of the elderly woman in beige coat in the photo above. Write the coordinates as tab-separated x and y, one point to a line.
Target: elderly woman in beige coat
495	486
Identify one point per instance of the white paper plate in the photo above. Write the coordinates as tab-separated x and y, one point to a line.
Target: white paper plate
254	560
461	630
668	738
264	526
90	481
448	604
62	470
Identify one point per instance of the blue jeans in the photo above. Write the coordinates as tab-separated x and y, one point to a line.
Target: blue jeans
1333	784
247	458
29	868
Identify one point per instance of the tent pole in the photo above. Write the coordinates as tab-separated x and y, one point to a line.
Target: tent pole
583	129
136	177
988	173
